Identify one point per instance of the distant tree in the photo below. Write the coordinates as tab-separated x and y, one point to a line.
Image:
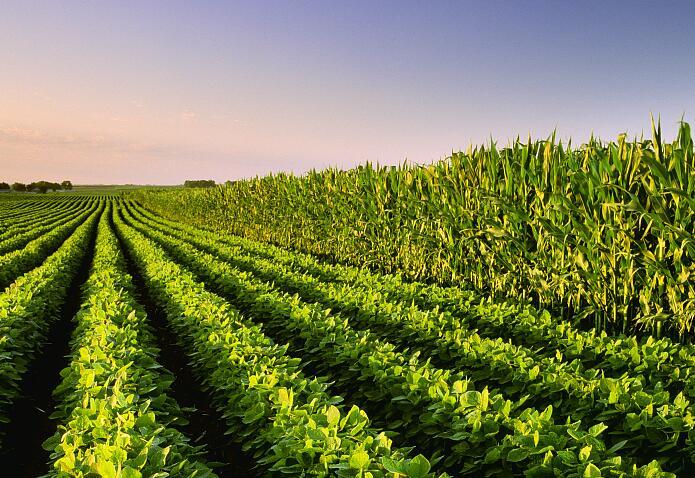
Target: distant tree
229	183
199	183
19	187
4	186
43	186
67	185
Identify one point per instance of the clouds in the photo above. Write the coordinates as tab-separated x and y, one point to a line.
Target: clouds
37	138
188	116
28	154
97	145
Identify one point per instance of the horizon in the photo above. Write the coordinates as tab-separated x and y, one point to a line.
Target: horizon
161	92
665	137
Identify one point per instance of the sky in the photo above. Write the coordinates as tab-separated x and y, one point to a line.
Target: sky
156	92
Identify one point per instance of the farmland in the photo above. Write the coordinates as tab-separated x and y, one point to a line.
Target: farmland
524	311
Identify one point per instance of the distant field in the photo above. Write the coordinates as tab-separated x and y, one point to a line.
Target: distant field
117	187
82	189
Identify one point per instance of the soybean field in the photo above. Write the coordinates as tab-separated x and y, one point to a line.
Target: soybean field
140	337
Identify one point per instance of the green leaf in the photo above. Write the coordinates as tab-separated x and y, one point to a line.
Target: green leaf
359	460
616	447
333	416
592	471
517	454
597	429
129	472
146	420
393	466
106	469
418	467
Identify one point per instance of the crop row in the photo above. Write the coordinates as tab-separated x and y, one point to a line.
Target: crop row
477	430
290	422
31	208
20	238
116	418
658	360
423	360
648	420
40	219
31	303
39	207
33	253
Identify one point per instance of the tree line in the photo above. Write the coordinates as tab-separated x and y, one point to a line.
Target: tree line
203	183
199	183
45	186
39	186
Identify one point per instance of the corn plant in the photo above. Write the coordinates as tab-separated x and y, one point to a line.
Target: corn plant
601	233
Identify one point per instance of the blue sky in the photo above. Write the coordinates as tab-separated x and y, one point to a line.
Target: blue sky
158	92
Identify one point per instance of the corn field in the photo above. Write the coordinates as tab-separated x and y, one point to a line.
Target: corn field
600	234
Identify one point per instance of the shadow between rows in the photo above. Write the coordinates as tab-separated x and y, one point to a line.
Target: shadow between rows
30	423
205	426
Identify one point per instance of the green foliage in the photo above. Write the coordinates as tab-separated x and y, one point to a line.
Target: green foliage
18	261
601	233
316	366
43	186
29	305
420	396
656	359
11	219
200	183
290	421
114	411
19	234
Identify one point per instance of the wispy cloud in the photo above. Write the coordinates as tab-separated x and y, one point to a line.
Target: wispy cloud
35	137
101	144
226	118
188	115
